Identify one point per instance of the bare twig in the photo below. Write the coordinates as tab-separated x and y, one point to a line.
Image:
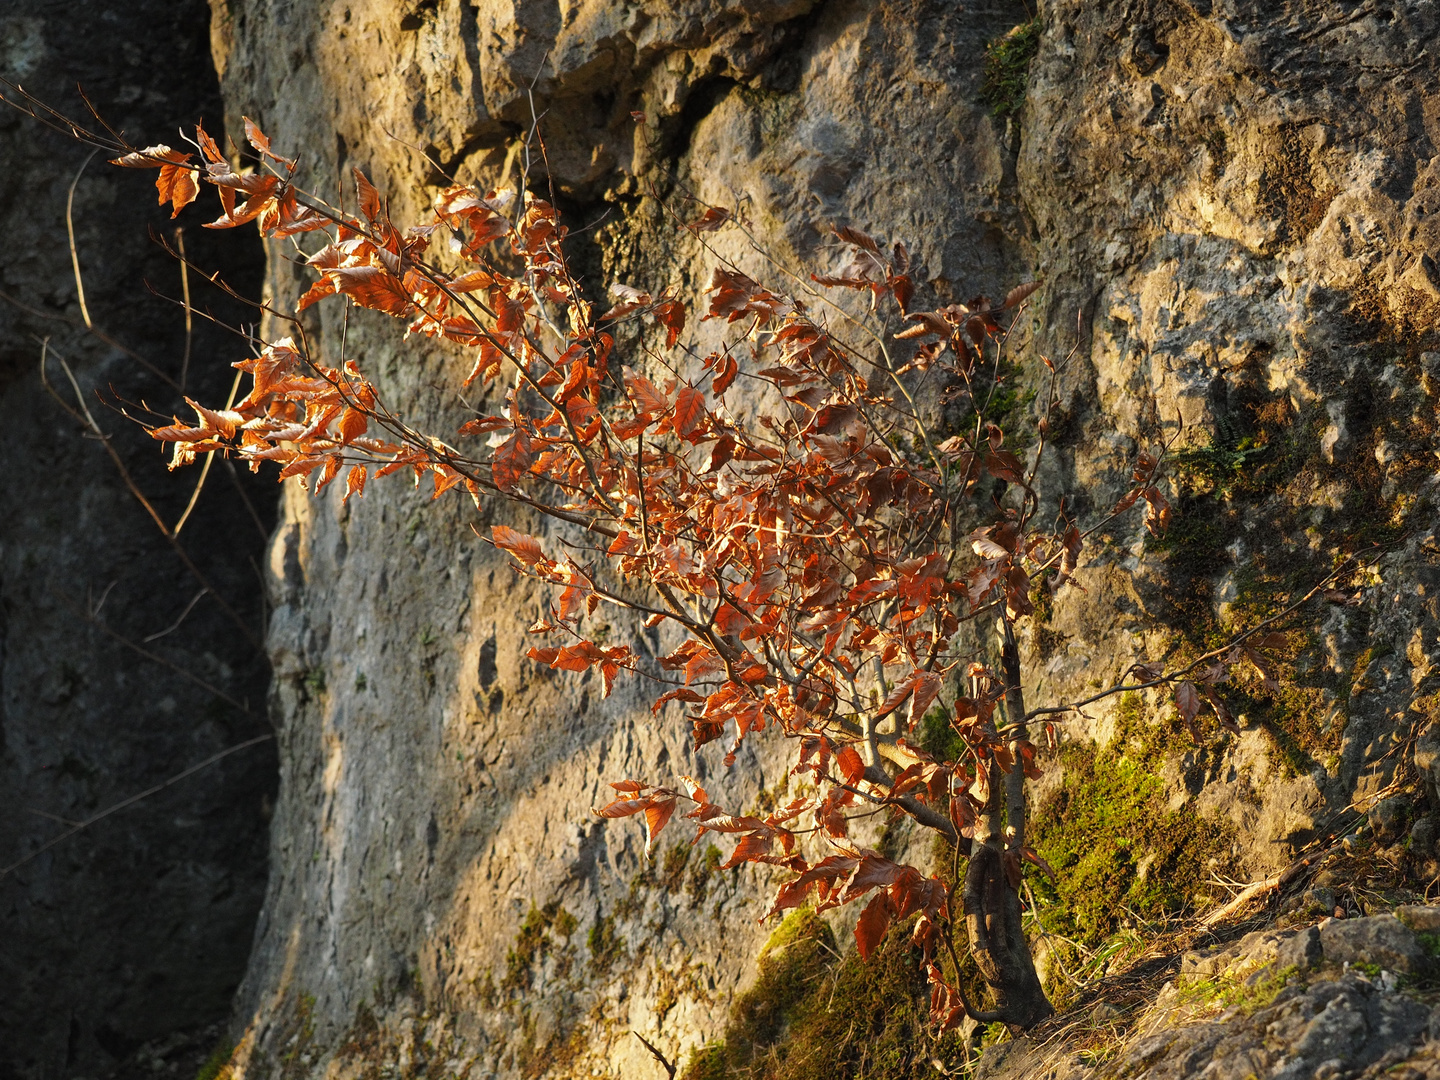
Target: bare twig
176	624
185	291
82	414
132	800
189	676
1243	897
209	457
70	230
665	1062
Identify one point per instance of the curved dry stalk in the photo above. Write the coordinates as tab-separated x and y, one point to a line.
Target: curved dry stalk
83	416
6	871
70	231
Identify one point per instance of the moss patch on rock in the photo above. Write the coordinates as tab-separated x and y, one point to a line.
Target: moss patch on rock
543	929
1007	68
811	1016
1118	852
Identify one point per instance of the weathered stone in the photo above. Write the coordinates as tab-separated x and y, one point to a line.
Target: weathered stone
1422	918
1236	224
1302	950
1326	1031
1422	837
1427	752
1377	939
1318	900
1388	819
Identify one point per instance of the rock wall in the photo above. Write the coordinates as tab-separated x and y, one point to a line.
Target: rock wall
1230	209
1239	202
121	946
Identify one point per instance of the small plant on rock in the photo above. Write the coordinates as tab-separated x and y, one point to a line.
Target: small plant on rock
820	519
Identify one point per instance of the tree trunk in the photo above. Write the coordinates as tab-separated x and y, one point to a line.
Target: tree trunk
992	878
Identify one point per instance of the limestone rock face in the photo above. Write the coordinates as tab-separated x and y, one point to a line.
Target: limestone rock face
1244	230
445	881
1236	203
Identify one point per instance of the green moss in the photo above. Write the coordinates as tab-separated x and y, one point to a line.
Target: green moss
1225	462
216	1061
1248	997
1007	68
698	885
810	1016
315	681
1116	848
938	738
542	931
565	923
672	871
606	946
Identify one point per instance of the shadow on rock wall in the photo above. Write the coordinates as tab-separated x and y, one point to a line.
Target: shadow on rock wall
121	946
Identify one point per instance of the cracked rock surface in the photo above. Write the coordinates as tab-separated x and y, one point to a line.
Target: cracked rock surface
1236	200
1334	1024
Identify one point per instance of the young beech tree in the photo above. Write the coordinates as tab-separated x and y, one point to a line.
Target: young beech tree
782	498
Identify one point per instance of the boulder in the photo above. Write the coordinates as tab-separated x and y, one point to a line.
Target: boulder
1422	918
1302	951
1388	819
1380	939
1422	837
1427	756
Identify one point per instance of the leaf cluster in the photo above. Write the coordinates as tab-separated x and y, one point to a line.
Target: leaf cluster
767	485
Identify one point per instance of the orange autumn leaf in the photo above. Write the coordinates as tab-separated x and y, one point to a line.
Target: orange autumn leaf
511	461
523	546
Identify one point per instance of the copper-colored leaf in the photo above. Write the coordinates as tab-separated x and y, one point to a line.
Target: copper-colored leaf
523	546
709	221
623	807
722	450
353	423
927	688
729	620
152	157
177	184
261	142
368	196
852	765
1019	293
689	408
671	315
509	314
648	399
857	237
374	287
1187	701
749	848
511	461
657	814
871	926
725	375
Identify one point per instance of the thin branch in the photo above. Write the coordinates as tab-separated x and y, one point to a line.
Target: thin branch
156	658
83	416
185	291
1238	639
70	231
176	624
132	800
661	1058
209	457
